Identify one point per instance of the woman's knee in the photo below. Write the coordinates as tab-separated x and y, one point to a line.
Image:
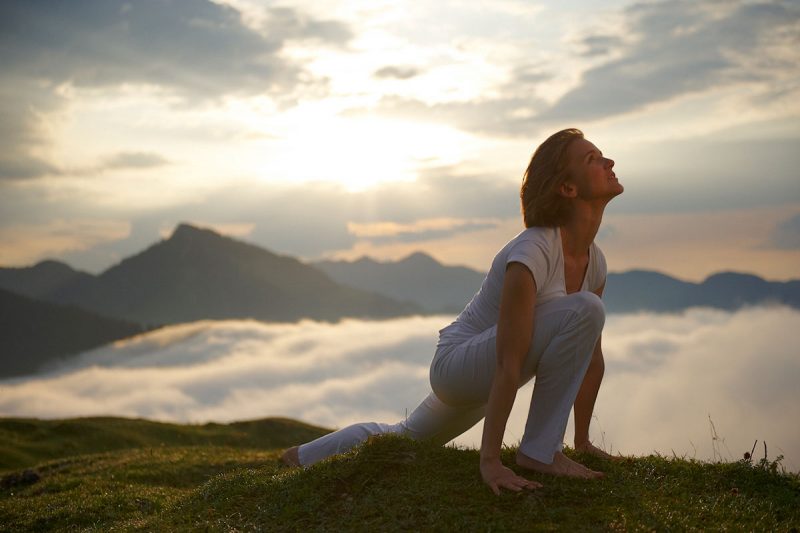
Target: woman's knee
590	308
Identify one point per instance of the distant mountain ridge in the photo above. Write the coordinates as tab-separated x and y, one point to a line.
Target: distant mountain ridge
199	274
418	278
639	290
635	290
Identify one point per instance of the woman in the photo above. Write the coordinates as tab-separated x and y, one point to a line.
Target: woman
538	312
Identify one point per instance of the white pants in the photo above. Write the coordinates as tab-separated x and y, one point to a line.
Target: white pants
565	333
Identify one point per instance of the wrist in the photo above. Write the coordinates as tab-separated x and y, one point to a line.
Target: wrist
490	459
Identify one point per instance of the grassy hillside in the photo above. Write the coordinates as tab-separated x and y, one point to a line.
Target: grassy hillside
26	442
390	483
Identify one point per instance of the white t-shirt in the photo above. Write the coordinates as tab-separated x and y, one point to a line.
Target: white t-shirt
538	248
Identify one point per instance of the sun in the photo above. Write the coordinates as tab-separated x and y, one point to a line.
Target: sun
359	153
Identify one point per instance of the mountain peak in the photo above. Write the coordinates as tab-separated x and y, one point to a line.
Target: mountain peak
45	263
187	231
419	258
733	277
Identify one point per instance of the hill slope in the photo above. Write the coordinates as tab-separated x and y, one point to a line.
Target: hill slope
389	484
36	333
27	441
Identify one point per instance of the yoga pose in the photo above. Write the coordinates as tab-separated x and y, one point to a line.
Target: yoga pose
538	313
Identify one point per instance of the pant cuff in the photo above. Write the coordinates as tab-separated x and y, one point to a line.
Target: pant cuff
534	452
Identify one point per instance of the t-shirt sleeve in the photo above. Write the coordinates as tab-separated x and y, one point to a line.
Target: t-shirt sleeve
532	254
599	269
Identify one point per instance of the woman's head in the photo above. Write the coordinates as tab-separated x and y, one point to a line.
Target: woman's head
542	204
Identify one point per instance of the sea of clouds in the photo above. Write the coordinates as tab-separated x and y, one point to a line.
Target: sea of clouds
668	379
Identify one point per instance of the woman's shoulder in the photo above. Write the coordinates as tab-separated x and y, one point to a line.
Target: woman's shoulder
531	241
536	248
537	234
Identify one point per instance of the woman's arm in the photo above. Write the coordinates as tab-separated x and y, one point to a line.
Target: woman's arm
514	334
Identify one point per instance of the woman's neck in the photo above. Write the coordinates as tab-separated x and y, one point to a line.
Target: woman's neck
578	233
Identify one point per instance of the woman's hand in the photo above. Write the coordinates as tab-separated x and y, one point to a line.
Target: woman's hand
496	476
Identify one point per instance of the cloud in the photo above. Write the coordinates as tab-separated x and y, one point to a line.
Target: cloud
420	230
198	48
397	72
322	216
599	45
661	52
23	103
192	50
787	235
24	244
22	167
509	114
214	371
118	161
679	47
707	174
135	160
740	369
665	375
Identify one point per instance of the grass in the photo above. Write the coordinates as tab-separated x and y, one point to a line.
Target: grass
233	481
26	442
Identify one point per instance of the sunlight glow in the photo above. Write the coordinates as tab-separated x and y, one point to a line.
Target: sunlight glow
361	152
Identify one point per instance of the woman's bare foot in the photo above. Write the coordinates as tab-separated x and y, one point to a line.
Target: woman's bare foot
561	466
291	457
591	449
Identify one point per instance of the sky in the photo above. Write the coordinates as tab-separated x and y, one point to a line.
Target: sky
342	128
684	384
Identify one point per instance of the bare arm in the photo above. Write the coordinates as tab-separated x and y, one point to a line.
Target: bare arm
587	394
514	334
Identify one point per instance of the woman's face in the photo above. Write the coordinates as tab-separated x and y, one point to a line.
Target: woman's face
592	175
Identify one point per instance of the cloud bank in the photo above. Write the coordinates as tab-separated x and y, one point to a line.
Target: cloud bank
677	48
666	376
660	52
193	51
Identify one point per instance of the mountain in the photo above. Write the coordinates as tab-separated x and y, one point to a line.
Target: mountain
418	277
41	280
437	288
639	290
36	333
199	274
